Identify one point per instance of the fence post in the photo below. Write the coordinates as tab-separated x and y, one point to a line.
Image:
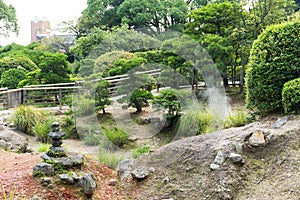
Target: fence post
8	100
60	99
22	97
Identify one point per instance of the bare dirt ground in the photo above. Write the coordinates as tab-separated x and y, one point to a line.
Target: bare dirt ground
182	168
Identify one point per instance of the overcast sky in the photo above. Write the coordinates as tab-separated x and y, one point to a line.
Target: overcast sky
54	10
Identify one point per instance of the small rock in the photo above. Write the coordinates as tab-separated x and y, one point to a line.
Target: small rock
151	169
239	148
127	121
166	180
65	162
51	186
257	139
142	121
124	107
236	158
133	138
11	125
214	166
58	112
124	168
35	198
219	159
281	121
45	157
88	185
154	119
43	169
45	181
140	173
75	176
77	160
112	182
56	152
66	178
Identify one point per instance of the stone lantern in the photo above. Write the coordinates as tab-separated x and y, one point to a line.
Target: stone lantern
56	140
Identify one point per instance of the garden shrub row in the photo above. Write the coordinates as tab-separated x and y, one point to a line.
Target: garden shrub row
274	60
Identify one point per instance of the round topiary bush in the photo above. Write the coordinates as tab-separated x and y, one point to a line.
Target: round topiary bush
291	96
274	60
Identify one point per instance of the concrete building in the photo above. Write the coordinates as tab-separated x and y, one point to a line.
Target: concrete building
40	28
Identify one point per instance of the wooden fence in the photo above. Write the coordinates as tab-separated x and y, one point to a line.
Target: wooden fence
55	94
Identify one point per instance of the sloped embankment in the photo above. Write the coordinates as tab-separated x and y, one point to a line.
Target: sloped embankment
269	171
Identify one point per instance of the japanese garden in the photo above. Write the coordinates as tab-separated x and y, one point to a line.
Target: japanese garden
156	99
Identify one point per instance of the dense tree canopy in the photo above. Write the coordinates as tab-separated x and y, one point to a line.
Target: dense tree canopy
8	19
99	13
160	15
40	66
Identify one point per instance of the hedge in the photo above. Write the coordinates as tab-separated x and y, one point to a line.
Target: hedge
291	96
274	60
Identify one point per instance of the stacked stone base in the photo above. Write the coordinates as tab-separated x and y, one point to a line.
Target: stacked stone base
63	167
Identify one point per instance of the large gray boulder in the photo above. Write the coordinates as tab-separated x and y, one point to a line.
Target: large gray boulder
44	169
13	141
124	168
88	184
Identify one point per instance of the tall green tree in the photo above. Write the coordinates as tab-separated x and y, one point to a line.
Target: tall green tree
160	15
54	69
102	95
100	14
84	45
213	26
8	19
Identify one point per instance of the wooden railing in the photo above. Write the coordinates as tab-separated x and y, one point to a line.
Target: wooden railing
55	94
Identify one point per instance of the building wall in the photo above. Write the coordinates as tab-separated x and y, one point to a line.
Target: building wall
39	28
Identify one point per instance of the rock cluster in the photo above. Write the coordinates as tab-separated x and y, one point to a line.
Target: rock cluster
56	162
221	158
125	169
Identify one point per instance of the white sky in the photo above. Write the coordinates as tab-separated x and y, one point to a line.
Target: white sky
55	11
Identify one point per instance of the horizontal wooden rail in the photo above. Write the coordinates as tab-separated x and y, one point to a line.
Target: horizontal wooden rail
14	97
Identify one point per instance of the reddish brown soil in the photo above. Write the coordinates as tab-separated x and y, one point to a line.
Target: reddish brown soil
17	182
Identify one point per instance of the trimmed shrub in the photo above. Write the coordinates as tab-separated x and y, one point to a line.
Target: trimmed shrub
291	96
274	60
